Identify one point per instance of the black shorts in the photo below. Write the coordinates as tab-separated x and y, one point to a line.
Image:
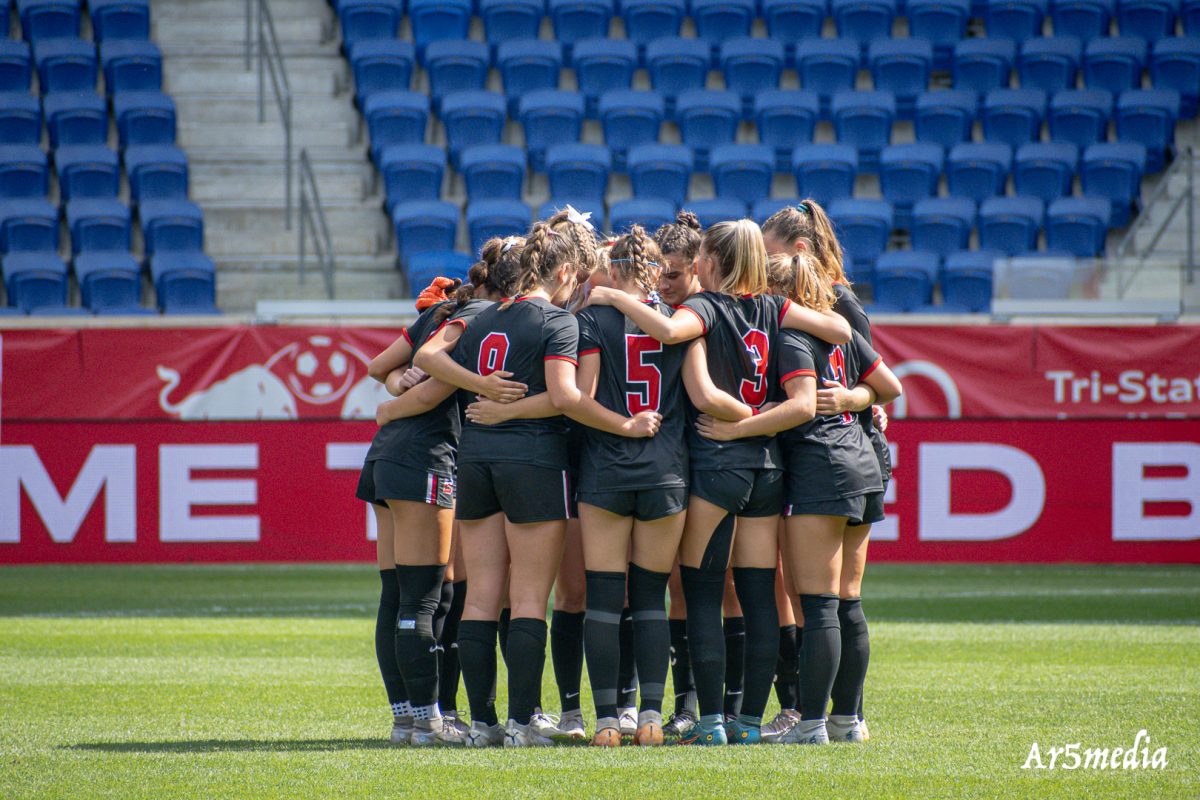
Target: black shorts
385	480
744	492
646	505
859	509
523	492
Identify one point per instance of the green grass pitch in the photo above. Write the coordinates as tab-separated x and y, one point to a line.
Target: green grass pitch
219	682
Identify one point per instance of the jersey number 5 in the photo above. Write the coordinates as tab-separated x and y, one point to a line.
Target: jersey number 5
754	392
837	371
493	352
647	398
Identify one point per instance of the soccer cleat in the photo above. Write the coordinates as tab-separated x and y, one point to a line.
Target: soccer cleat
699	736
571	725
627	718
649	731
862	726
434	732
459	724
607	737
679	724
483	735
784	721
808	731
402	728
544	724
845	729
737	733
518	735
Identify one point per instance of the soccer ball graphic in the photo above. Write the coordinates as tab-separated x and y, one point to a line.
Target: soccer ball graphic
318	370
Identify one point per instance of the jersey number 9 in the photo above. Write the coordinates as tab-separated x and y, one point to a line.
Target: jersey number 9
493	352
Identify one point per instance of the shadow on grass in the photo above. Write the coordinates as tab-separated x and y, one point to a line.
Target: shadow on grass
232	746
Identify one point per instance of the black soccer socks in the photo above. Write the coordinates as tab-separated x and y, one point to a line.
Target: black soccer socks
681	665
505	618
448	667
602	638
734	629
702	591
856	653
416	646
820	653
786	684
526	661
477	655
566	653
651	634
756	594
385	642
627	676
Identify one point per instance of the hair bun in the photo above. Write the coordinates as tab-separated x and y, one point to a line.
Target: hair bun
688	220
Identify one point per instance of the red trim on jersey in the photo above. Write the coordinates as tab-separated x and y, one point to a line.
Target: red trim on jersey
407	338
783	311
797	373
871	368
562	358
461	322
694	313
589	351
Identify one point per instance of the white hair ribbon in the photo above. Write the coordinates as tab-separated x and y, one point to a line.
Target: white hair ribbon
578	218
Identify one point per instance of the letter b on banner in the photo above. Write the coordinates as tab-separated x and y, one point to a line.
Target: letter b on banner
939	523
1131	490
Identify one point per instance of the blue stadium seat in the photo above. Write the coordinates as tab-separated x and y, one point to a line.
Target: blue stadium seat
1080	116
16	66
1014	19
1114	64
48	19
554	205
707	119
1176	65
942	225
20	118
1010	224
751	66
87	170
676	66
28	224
908	173
602	65
718	20
114	20
825	172
508	20
1049	63
99	224
4	24
400	117
864	119
412	172
550	117
945	117
967	279
904	279
1190	14
424	267
131	66
455	65
1084	19
765	208
185	282
472	118
76	118
794	21
368	19
981	65
646	20
527	66
487	219
630	117
978	171
423	225
1078	225
785	119
575	20
1013	116
1148	116
1045	170
171	226
651	213
742	171
144	118
719	209
1114	171
108	279
493	171
34	280
942	23
23	172
381	65
65	65
156	172
863	227
579	170
433	20
660	170
864	21
902	67
828	66
1147	19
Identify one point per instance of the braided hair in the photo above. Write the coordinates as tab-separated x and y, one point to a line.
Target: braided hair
807	221
681	237
550	244
496	273
635	256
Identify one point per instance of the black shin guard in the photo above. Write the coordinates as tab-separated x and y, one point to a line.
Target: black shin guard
756	594
785	669
416	646
602	639
651	634
477	654
856	653
703	590
445	600
681	664
385	637
448	668
627	677
821	652
734	629
526	661
566	653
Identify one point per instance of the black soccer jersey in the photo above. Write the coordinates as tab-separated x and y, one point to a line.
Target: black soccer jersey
832	453
518	339
637	373
428	441
741	334
851	308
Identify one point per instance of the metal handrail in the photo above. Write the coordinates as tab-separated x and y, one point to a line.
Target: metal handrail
270	59
312	217
1186	159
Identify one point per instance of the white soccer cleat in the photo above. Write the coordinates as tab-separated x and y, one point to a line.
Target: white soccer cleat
571	725
627	720
402	728
436	732
811	731
544	725
460	725
845	729
483	735
784	721
517	735
862	726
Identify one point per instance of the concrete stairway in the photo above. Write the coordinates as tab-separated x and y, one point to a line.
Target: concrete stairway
237	164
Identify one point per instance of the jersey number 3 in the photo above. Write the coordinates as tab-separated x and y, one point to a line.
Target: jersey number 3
837	368
647	398
493	352
754	392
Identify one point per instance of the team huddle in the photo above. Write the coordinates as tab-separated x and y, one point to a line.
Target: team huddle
696	412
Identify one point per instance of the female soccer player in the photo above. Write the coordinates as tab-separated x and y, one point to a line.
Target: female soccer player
739	481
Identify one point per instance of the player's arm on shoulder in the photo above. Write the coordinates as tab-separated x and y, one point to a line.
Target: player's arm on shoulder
704	394
563	388
425	396
674	329
434	358
883	382
395	356
797	409
826	325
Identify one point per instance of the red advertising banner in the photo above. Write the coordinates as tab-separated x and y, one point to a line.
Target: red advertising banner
970	491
